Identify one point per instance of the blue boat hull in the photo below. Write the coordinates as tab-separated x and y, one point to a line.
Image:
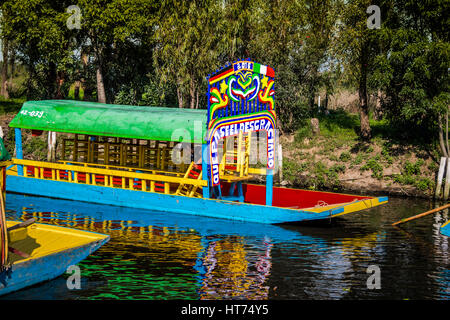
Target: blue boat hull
160	202
34	271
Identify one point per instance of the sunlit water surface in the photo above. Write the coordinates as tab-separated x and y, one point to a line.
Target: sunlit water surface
155	255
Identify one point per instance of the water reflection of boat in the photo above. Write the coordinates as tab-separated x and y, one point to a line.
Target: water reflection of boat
445	229
108	218
231	269
32	252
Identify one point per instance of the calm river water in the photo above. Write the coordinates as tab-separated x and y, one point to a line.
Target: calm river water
154	255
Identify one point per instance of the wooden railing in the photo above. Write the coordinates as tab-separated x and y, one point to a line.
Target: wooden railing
116	178
122	168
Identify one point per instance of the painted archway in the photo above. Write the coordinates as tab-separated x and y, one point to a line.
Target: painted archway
240	99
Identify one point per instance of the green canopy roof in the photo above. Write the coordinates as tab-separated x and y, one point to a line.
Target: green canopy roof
139	122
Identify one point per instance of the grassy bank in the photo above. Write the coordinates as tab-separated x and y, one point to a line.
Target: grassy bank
335	159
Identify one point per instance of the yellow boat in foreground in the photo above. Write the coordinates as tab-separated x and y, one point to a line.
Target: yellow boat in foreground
31	253
43	252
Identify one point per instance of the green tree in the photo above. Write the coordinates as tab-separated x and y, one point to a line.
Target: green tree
38	29
186	47
412	69
357	45
293	37
118	36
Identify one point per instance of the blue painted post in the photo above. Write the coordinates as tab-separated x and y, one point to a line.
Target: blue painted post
269	187
205	170
19	152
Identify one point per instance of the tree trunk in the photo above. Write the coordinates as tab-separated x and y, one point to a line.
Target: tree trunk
101	96
365	131
59	83
87	90
76	90
192	94
378	110
446	131
180	97
12	63
4	84
197	100
441	138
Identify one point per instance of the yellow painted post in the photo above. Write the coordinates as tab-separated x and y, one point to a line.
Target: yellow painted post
152	186
144	185
166	188
53	174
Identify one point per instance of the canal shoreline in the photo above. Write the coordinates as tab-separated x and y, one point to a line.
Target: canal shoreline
338	161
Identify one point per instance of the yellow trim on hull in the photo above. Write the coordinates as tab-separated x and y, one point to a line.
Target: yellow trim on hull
40	240
348	207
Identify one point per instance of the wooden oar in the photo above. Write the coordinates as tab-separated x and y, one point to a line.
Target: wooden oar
22	224
421	215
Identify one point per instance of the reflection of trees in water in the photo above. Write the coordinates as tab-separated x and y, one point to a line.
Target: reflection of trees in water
236	270
440	241
442	254
336	272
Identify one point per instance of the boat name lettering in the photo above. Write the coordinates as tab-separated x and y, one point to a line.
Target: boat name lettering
38	114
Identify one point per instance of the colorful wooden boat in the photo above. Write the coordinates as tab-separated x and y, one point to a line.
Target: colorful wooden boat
198	162
49	250
445	229
34	253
